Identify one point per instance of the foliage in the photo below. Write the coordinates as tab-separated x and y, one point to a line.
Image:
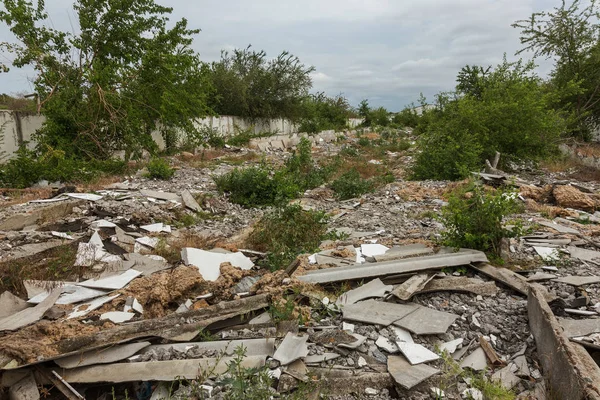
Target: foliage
321	112
27	168
159	168
506	110
17	103
260	186
364	112
286	232
570	35
350	185
373	116
126	72
408	117
248	84
473	218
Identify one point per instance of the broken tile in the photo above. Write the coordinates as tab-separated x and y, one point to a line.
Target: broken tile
29	315
407	375
426	321
113	282
472	394
84	196
209	263
506	377
318	358
261	319
416	353
123	237
584	254
102	223
540	276
101	356
451	346
82	309
548	254
374	288
522	367
377	312
359	341
254	347
189	201
559	228
25	389
62	235
402	335
386	344
399	252
71	294
411	286
160	195
117	316
157	228
575	311
291	349
147	241
574	280
11	304
476	361
371	250
461	284
147	264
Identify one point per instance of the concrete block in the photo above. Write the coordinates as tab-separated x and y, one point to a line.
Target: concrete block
570	371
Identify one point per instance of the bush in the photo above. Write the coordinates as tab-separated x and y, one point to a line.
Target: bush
249	187
473	218
159	168
406	118
29	168
287	232
350	185
324	113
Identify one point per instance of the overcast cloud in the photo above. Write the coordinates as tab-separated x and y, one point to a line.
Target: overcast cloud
387	51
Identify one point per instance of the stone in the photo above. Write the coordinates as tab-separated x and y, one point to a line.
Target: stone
567	196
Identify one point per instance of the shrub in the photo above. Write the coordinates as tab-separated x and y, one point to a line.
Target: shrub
350	185
473	218
249	187
323	113
286	232
406	118
364	142
159	168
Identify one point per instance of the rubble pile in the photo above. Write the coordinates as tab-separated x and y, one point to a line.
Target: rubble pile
109	294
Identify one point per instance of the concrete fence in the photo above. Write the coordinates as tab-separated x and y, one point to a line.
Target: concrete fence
17	128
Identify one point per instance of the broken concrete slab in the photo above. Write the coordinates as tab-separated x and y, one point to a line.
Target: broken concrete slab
580	327
510	279
540	276
147	264
11	304
412	265
71	294
574	280
319	358
117	316
156	370
156	228
399	252
29	315
189	201
82	309
386	344
209	263
160	195
254	347
38	216
407	375
374	288
584	254
451	346
291	349
569	369
101	356
559	228
377	312
416	353
461	284
426	321
411	286
113	282
477	360
548	254
25	389
373	249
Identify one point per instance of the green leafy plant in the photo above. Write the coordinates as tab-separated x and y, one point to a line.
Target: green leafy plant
287	232
350	185
473	218
159	168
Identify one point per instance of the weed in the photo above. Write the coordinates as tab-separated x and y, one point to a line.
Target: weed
283	311
206	336
350	185
159	168
364	142
246	383
286	232
473	218
348	151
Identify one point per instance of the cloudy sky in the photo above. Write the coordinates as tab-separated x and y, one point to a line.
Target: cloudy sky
387	51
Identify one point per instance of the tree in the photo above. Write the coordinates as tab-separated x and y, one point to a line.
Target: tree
570	35
321	112
471	80
364	111
109	86
249	85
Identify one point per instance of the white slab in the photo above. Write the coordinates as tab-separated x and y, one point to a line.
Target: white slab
29	315
415	353
374	288
402	335
547	253
11	304
291	349
372	250
117	316
209	263
71	294
148	241
101	356
158	227
451	346
84	196
62	235
82	309
318	358
386	344
102	223
476	361
112	282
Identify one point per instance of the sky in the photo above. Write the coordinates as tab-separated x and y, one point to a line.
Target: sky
386	51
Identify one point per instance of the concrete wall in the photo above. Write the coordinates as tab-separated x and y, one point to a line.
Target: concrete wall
17	128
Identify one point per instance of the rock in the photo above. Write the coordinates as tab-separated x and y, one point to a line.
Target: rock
186	155
536	193
569	197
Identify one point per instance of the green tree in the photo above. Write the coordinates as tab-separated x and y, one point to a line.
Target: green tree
248	84
380	117
570	35
107	87
364	111
321	112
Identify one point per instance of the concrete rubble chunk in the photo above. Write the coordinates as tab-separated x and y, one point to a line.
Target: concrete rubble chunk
29	315
584	254
209	263
291	349
254	347
506	377
156	228
451	346
156	370
377	312
373	249
189	201
101	356
160	195
386	344
540	276
548	254
25	389
318	358
374	288
412	285
147	265
477	360
359	341
117	316
426	321
578	280
416	353
399	252
147	241
461	284
11	304
558	227
580	327
113	282
407	375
